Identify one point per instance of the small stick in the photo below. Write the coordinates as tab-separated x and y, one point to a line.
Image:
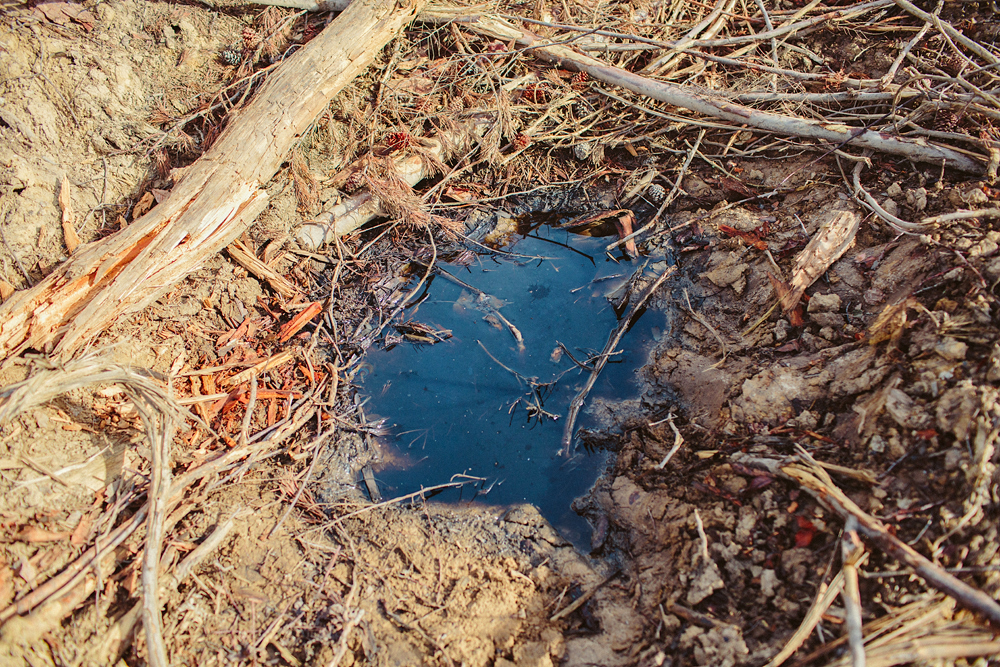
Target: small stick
824	599
582	600
160	431
602	360
896	223
668	199
696	617
852	552
483	300
949	29
398	499
345	634
774	42
248	416
804	471
705	323
119	636
962	215
318	447
678	441
891	74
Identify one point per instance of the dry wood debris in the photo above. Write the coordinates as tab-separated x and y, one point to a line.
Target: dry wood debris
490	103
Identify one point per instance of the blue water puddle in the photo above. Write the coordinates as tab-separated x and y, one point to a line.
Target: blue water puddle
454	410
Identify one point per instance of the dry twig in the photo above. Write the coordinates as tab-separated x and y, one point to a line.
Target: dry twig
804	471
602	359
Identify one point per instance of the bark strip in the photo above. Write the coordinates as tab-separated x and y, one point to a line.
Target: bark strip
217	199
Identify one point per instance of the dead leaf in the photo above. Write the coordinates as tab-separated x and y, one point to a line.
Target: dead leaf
62	13
69	232
589	225
81	531
891	322
6	289
141	208
748	237
831	241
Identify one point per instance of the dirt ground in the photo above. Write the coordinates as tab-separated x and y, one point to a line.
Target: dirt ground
887	375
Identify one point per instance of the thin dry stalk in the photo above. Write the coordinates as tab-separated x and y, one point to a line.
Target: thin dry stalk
159	415
804	471
616	336
714	105
668	199
824	598
703	321
852	552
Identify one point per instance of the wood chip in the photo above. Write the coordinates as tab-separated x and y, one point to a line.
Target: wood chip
832	240
69	232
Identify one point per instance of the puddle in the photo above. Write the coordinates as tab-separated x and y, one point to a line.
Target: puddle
455	410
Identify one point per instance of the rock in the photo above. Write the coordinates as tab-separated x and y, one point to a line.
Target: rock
894	190
768	583
814	343
722	646
905	411
705	579
745	524
728	271
891	207
824	303
983	248
856	371
873	296
877	444
768	396
589	651
831	320
993	372
781	329
956	410
532	654
953	458
916	199
951	349
962	197
896	449
740	218
795	564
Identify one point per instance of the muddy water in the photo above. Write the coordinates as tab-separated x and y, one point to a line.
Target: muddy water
457	411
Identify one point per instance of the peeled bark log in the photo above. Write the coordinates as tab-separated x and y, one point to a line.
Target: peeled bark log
217	199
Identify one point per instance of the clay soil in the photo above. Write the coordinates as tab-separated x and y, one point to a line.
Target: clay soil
887	374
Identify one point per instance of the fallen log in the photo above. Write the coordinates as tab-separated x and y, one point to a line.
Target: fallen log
215	201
